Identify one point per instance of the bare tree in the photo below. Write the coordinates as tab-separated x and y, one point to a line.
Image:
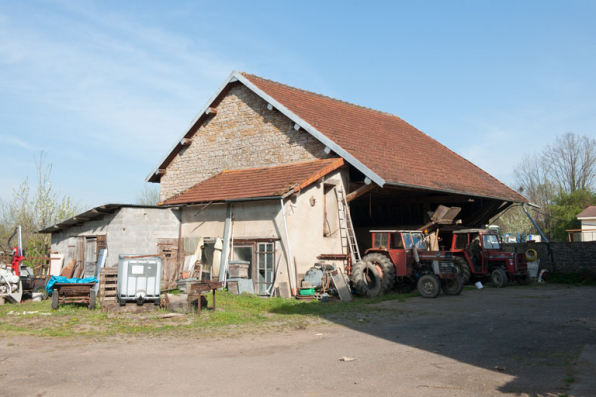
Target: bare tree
149	196
572	162
36	211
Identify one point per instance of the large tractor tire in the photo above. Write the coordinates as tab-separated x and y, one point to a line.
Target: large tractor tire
365	280
429	286
499	278
452	286
462	269
387	270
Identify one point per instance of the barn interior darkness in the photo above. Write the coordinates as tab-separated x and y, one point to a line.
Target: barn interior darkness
394	207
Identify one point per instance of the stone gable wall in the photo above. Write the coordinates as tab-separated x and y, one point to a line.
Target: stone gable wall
243	134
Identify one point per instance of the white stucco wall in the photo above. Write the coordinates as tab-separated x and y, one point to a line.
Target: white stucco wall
263	219
589	224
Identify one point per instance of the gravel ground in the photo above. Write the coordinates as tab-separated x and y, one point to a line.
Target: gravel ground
521	341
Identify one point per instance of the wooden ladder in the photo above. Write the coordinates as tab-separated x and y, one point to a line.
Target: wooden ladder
346	228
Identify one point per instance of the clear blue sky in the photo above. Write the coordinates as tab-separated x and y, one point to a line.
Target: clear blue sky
107	87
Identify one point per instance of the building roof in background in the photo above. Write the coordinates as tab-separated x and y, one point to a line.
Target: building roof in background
589	212
92	214
382	146
265	182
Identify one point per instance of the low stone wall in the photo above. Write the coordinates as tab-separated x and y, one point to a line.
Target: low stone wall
568	256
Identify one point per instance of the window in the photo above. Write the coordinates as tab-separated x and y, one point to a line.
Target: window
261	257
418	240
490	241
461	241
408	240
381	239
266	266
396	242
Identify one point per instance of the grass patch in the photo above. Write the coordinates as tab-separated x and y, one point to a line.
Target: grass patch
244	312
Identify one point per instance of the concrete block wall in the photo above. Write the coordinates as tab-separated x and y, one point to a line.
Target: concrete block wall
568	256
128	231
243	134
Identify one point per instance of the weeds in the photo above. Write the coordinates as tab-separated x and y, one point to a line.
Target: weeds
233	312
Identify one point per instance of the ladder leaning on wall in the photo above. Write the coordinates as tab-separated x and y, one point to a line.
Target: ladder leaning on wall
346	228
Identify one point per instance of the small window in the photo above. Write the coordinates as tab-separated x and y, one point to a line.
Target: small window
381	240
396	242
419	242
490	241
461	241
408	242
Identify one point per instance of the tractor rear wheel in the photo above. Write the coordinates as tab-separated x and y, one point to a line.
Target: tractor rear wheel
452	286
462	269
429	286
499	278
387	269
365	280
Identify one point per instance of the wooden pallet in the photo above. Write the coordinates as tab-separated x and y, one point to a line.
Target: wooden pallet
108	282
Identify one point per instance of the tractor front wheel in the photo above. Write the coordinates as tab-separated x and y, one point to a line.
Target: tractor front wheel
387	270
499	278
452	286
365	280
429	286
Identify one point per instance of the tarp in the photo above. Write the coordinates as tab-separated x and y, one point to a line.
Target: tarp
60	279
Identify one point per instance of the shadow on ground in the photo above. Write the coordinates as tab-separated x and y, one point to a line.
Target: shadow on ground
534	334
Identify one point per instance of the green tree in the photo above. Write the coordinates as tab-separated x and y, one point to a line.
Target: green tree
566	207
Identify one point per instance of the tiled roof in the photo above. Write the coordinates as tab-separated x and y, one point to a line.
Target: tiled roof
257	182
387	145
589	212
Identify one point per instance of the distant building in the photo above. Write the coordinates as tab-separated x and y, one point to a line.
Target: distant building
588	220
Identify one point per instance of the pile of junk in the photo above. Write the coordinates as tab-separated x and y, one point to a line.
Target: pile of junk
16	279
324	282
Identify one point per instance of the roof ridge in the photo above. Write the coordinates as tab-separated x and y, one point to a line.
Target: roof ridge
321	95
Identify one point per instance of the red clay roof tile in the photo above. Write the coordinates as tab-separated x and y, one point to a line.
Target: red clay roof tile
257	182
387	145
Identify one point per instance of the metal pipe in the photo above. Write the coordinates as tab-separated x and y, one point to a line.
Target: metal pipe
535	224
289	250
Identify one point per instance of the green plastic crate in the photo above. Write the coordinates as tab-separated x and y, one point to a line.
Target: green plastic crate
307	291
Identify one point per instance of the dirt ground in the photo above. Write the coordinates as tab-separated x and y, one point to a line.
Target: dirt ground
521	341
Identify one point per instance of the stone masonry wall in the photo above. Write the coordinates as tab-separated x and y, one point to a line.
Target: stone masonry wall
568	256
243	134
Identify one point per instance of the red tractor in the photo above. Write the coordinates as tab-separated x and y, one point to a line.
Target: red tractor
477	253
402	257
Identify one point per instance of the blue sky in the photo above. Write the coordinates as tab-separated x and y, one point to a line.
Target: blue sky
106	88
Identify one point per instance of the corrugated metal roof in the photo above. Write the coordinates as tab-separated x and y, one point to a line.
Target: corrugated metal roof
91	214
